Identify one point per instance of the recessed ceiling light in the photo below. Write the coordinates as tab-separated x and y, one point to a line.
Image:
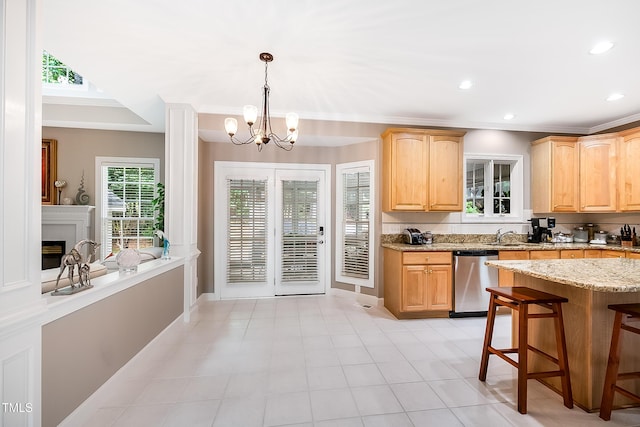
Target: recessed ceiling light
615	97
509	116
465	84
601	48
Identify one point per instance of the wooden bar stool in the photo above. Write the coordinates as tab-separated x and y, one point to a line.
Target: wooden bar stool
519	299
625	313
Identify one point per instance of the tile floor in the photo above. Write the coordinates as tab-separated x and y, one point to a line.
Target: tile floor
323	361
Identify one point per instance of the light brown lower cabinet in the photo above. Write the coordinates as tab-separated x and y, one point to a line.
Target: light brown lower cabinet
608	253
418	284
506	278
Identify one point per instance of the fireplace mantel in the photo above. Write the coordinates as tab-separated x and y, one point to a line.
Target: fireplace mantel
70	223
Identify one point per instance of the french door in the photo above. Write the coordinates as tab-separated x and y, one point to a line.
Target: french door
270	228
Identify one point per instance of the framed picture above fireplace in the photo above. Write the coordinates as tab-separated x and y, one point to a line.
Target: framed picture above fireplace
49	170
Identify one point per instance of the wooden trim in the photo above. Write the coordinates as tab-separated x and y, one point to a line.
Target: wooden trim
49	171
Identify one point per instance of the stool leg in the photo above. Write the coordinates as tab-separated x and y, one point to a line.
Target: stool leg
488	335
523	320
563	361
612	369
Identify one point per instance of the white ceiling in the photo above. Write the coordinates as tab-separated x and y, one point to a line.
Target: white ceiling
358	61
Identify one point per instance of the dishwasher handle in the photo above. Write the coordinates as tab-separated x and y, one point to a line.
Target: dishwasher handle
488	252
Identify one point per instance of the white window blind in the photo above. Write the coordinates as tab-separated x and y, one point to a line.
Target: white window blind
355	224
126	206
299	231
247	231
355	194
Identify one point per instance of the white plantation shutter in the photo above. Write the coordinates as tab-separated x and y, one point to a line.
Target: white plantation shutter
247	231
355	225
299	231
354	222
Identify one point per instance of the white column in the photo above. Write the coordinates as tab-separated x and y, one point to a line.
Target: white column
21	304
181	200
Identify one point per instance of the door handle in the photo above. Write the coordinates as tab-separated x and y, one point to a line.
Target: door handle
320	242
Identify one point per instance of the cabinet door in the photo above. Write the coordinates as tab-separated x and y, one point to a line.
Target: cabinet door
544	254
598	189
505	277
571	253
608	253
445	173
439	287
408	160
629	186
633	255
565	175
414	288
555	167
592	253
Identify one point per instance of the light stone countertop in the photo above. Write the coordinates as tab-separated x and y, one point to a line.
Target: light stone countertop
597	274
512	246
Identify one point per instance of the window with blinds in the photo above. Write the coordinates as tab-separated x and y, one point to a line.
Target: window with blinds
126	206
247	231
354	222
299	231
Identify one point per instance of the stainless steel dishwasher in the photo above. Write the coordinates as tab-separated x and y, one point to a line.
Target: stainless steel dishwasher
470	280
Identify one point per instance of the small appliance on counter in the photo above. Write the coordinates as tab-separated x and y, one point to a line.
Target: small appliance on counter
413	236
580	235
541	229
562	238
599	238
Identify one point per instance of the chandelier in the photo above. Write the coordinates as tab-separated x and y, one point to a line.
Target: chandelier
262	133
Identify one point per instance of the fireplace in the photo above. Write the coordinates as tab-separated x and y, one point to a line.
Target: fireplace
67	224
52	252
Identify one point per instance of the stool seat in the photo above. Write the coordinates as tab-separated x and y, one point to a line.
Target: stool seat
519	298
624	314
526	295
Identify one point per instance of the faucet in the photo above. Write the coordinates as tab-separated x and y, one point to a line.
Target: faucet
500	235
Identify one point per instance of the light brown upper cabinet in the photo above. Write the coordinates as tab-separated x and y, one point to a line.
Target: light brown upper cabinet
598	180
555	174
422	170
629	178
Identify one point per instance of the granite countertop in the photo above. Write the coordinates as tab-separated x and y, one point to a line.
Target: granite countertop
597	274
507	246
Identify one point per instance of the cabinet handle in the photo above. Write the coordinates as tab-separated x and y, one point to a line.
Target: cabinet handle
430	271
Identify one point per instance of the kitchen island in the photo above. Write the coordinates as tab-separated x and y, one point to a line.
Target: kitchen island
590	285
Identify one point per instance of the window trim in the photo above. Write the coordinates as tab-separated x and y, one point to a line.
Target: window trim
115	161
517	181
341	169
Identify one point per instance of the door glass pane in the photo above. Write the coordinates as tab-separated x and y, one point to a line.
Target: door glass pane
355	227
299	231
247	231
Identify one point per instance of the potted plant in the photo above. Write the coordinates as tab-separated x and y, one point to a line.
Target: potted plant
158	211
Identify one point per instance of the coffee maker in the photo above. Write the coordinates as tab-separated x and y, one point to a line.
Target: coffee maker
541	229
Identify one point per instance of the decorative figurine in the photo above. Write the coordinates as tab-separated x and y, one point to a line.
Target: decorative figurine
75	258
81	198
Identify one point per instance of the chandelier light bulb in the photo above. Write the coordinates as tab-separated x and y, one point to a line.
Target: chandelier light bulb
292	121
292	136
231	126
258	139
250	114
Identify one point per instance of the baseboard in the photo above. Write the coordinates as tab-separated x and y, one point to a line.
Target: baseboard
357	297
